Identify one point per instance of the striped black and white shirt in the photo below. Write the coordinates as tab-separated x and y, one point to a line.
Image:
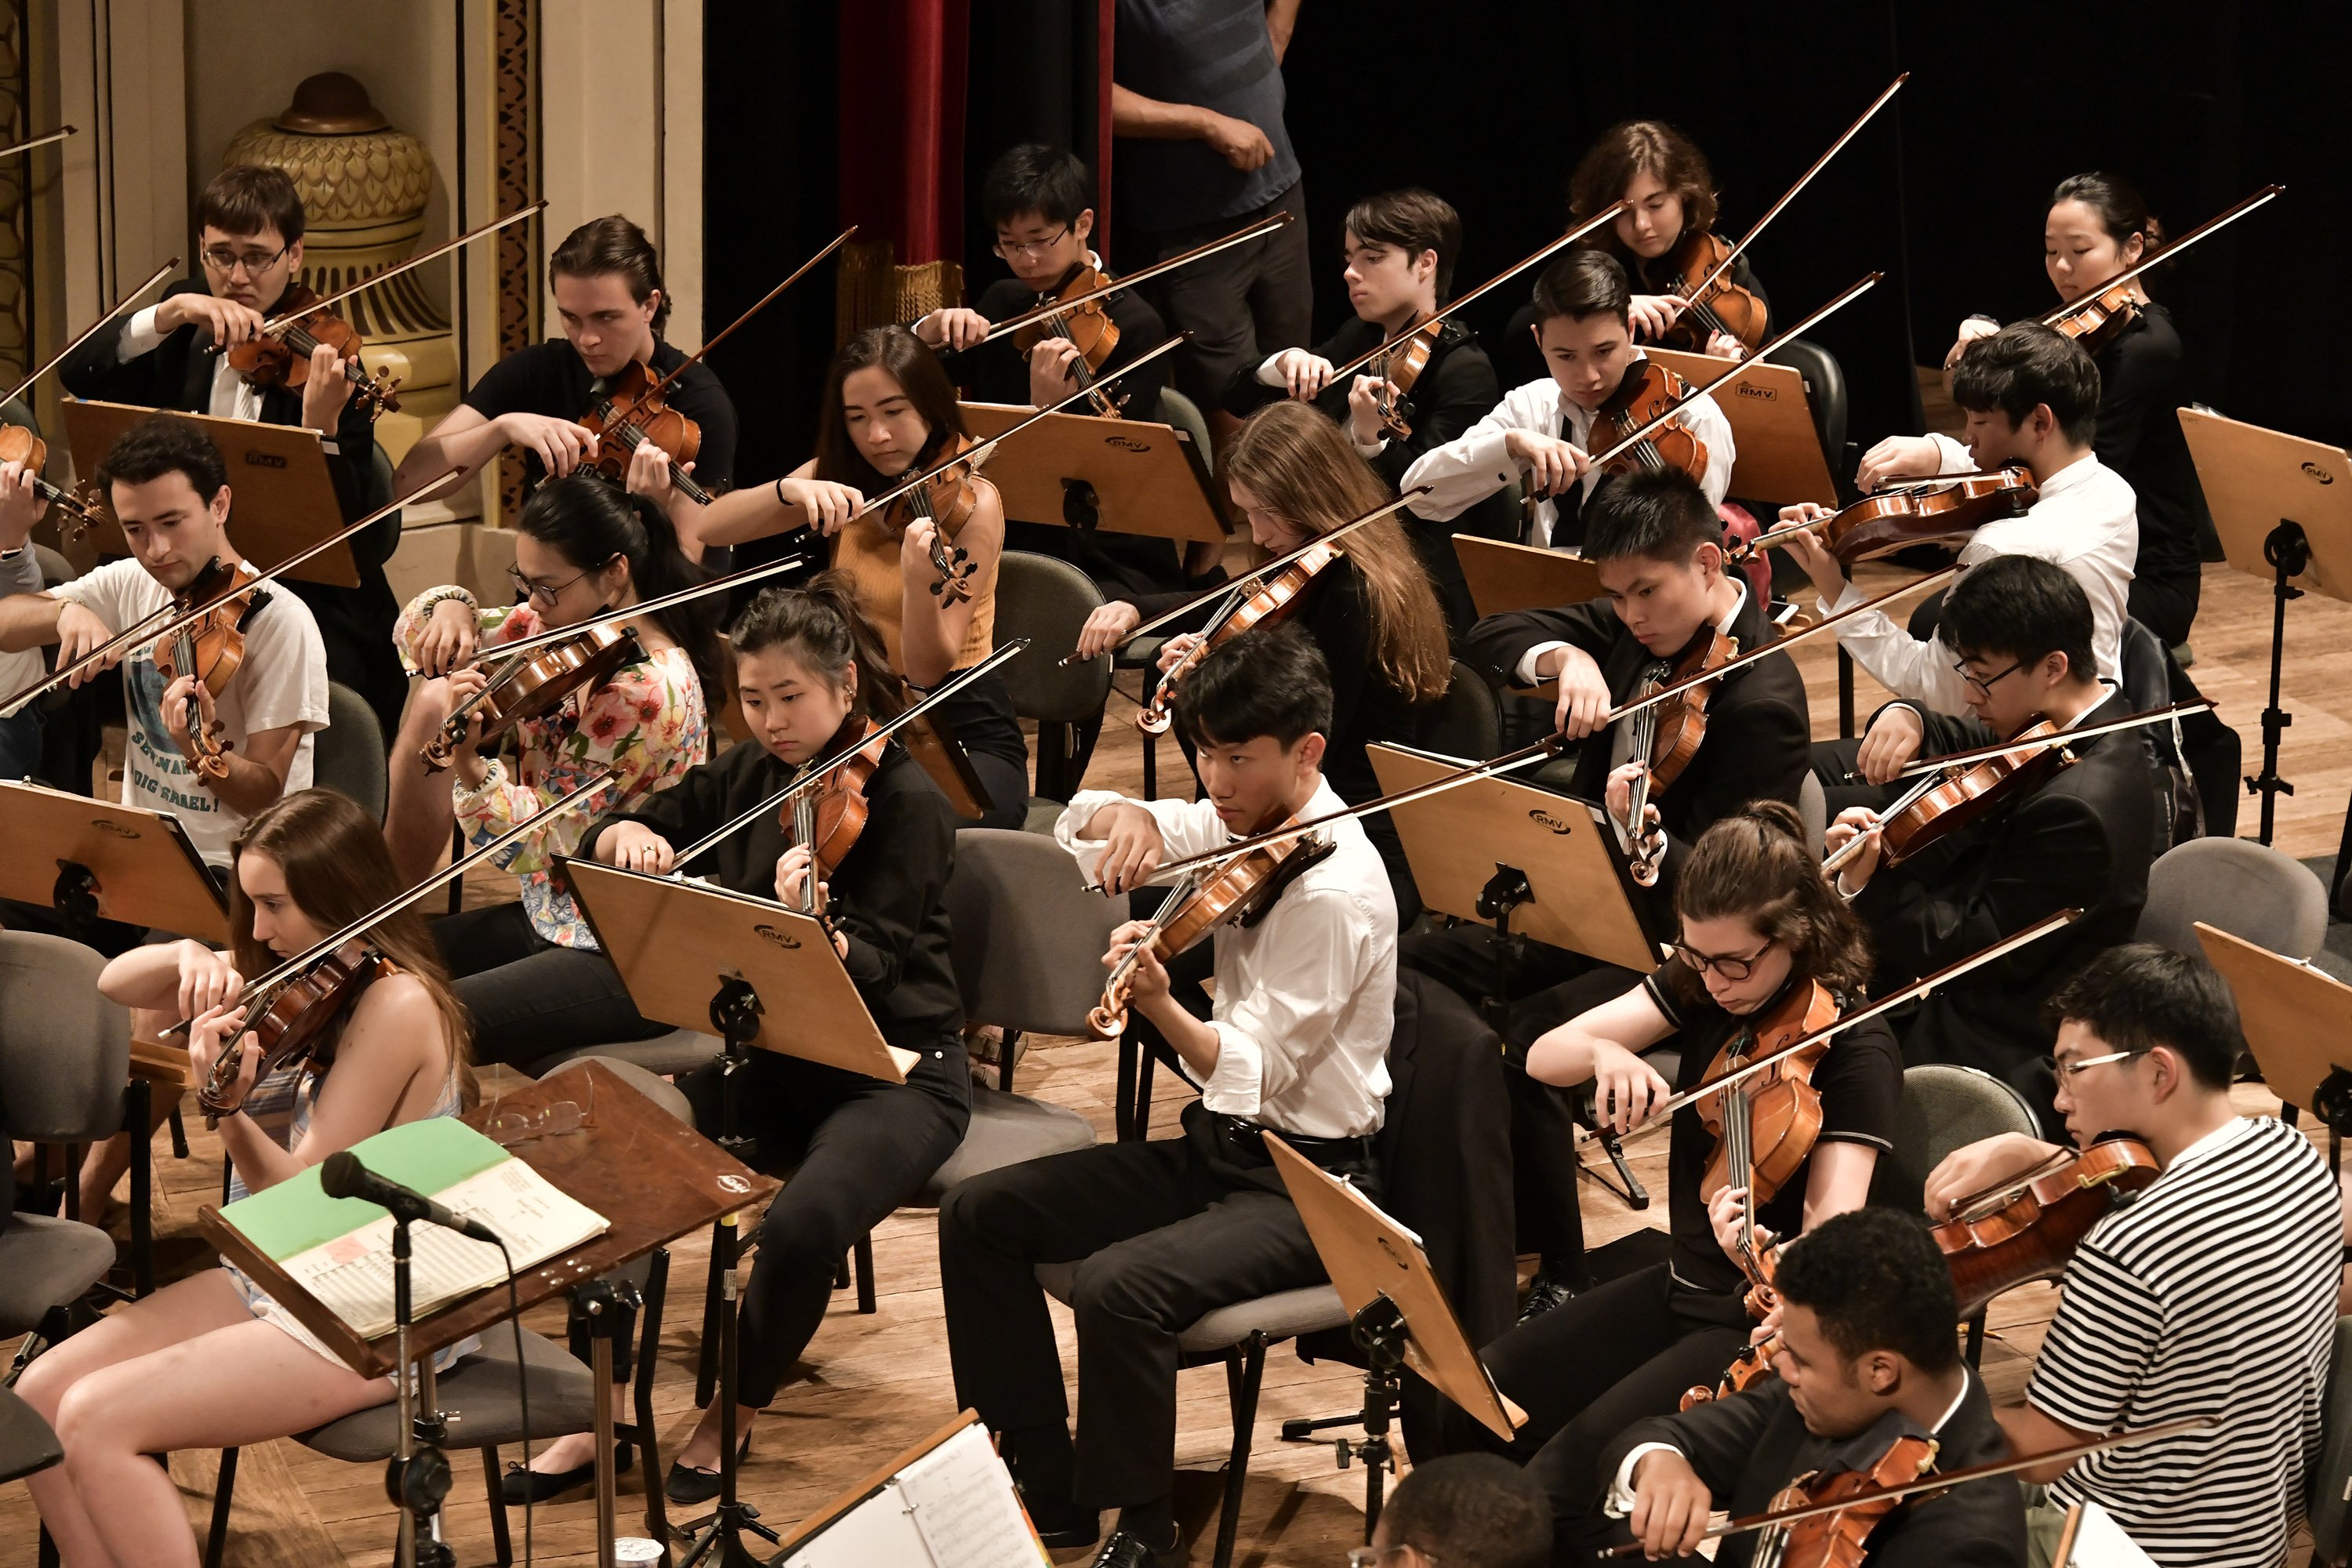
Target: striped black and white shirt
2213	1294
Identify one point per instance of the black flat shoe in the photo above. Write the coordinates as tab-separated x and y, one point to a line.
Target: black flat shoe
691	1484
520	1486
1125	1551
1546	1293
1063	1525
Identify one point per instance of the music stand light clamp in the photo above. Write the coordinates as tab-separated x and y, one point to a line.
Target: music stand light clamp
2288	550
1081	507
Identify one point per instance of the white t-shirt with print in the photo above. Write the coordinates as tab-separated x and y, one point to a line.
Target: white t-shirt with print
282	681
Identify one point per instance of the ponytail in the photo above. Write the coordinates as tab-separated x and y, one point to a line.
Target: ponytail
822	627
588	519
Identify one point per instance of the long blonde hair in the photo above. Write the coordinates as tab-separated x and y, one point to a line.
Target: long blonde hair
1300	465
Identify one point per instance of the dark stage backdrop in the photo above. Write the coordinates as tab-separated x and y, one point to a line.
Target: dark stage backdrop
1490	102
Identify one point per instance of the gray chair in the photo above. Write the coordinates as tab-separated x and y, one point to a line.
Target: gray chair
2248	889
1825	390
2330	1479
480	1392
1181	411
27	1444
1813	809
349	754
1945	1107
1465	722
1027	936
65	1058
1047	601
672	1055
55	568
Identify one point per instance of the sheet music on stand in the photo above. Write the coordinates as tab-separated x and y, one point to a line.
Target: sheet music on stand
947	1503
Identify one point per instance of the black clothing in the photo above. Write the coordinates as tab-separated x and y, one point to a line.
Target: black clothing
1519	360
2143	383
355	623
1748	1446
2083	840
996	372
551	378
530	997
1453	392
981	718
1240	303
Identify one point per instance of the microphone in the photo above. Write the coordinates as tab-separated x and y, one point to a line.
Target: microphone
341	1175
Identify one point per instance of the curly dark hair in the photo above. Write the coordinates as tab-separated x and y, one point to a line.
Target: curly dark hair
1877	1281
1755	864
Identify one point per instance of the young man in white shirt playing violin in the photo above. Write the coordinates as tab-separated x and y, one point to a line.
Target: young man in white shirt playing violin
1163	1232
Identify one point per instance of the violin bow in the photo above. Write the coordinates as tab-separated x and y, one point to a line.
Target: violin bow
765	299
393	906
444	248
93	331
1258	573
809	776
1549	746
2063	738
979	454
2164	253
145	630
1027	318
1943	1482
59	134
1802	181
1389	345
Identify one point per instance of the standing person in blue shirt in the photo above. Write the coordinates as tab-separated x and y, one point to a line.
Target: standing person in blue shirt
1196	101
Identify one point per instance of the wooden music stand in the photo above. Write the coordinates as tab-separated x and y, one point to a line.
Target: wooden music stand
1505	576
281	499
2298	1024
1777	452
2282	507
651	1176
1081	471
861	1526
100	860
681	945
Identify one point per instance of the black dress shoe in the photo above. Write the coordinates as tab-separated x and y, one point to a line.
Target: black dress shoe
692	1484
1125	1551
1063	1525
521	1486
1546	1292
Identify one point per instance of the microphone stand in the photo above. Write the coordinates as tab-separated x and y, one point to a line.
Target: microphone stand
417	1477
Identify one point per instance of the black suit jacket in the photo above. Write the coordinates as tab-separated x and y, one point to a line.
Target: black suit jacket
1758	742
2083	840
1748	1446
355	623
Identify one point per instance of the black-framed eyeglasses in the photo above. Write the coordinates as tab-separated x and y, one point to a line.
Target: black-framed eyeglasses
1729	965
1983	687
545	593
226	260
1032	248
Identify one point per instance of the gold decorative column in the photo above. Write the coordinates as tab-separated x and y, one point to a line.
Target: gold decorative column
364	185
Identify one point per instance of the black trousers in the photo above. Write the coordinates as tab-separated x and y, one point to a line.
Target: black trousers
2166	605
857	1148
529	996
1241	304
1585	1371
1546	1172
1163	1233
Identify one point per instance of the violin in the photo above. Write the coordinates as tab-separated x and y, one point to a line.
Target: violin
1398	364
76	511
1841	1539
2028	1227
1751	1368
289	1021
1765	1127
1935	510
830	815
2097	322
1268	600
282	357
626	410
1648	391
1668	735
1085	321
1241	891
948	498
211	646
1712	303
526	686
1944	802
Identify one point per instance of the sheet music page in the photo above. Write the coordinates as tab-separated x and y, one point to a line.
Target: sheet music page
881	1530
965	1506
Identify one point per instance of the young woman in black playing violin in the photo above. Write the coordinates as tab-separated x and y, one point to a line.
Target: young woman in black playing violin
812	669
1760	929
889	412
210	1362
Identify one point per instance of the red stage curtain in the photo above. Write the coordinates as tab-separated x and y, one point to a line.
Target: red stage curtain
902	78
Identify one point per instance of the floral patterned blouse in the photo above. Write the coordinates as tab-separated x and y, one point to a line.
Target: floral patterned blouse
647	726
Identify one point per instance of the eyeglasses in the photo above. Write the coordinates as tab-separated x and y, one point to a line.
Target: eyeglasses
223	259
545	593
2067	1070
1727	966
509	1128
1983	689
1373	1556
1029	249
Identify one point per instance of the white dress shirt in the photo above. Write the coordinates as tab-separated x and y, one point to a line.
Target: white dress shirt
2086	522
1305	999
1468	470
233	397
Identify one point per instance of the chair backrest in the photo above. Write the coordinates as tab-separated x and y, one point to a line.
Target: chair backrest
2246	889
660	1090
2331	1477
1047	601
1944	1108
1028	939
55	568
1181	411
1824	390
1465	722
65	1050
2146	681
1813	808
349	755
